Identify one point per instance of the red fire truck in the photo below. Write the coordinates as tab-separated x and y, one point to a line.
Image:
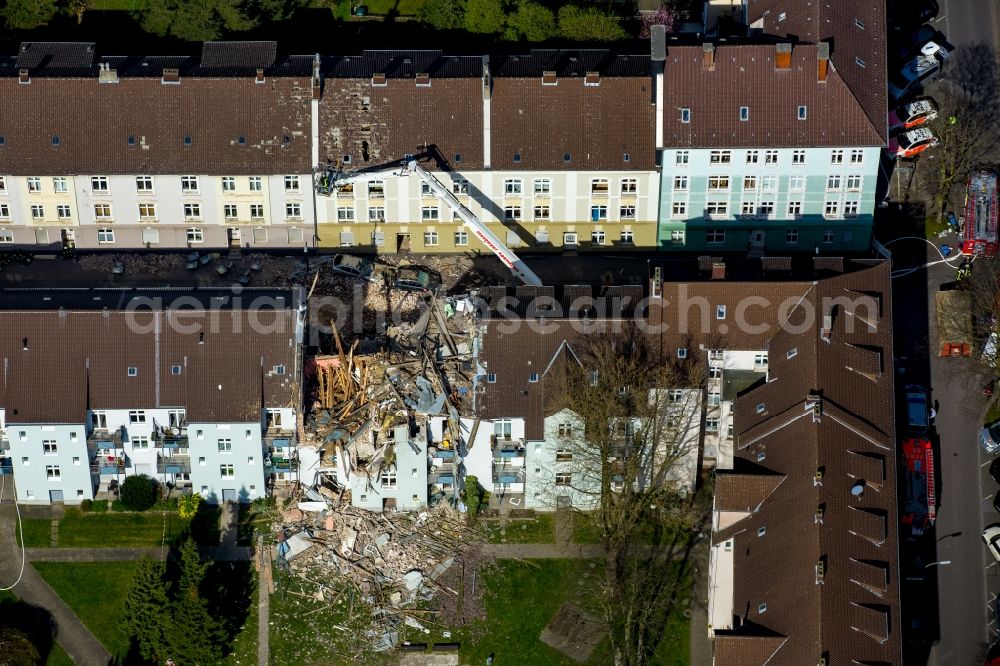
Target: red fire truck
980	234
920	505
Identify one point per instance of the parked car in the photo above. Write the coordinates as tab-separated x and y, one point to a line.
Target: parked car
914	114
347	264
991	535
912	143
995	470
917	409
907	46
989	439
922	69
417	279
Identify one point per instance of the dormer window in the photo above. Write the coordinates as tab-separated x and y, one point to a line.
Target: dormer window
744	113
803	112
133	371
685	115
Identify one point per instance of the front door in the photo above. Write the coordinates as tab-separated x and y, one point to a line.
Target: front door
55	496
758	238
229	495
402	242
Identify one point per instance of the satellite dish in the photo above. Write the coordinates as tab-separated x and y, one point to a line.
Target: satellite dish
858	488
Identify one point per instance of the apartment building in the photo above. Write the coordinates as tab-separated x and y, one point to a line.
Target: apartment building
552	150
208	151
774	147
195	388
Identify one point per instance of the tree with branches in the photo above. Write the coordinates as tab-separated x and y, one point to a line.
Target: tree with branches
627	448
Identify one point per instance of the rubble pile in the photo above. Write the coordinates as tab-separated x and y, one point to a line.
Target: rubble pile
395	562
135	264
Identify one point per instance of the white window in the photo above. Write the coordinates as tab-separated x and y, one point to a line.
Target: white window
4	211
766	208
6	236
677	236
192	211
720	157
680	183
189	184
228	183
748	208
260	236
49	447
147	210
430	238
256	184
715	236
597	237
195	235
682	352
511	213
227	471
792	353
132	371
770	157
102	211
143	183
105	236
541	213
425	189
599	186
836	156
376	214
685	115
257	211
744	113
681	157
41	236
37	211
749	183
570	239
291	183
99	183
850	209
678	209
460	186
803	112
792	236
34	184
717	208
626	212
52	472
598	213
3	184
796	182
714	398
626	238
564	478
376	189
140	442
794	209
293	211
720	311
430	213
712	425
225	446
136	416
857	156
491	378
63	212
833	183
828	236
753	156
768	183
760	361
543	186
831	208
630	186
512	186
761	608
854	182
229	211
378	238
60	185
717	183
389	478
461	238
798	157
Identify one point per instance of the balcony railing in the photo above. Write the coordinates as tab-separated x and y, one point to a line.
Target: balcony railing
105	439
110	465
446	479
503	474
279	463
173	464
170	437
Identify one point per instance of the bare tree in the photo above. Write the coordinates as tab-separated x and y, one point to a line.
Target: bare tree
640	420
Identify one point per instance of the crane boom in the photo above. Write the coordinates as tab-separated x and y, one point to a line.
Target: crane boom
327	181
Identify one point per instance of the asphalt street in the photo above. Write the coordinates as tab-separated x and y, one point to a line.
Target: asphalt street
968	22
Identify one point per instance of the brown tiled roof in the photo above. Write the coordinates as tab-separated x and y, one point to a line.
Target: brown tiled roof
378	124
855	29
852	613
80	358
744	492
747	650
93	122
745	75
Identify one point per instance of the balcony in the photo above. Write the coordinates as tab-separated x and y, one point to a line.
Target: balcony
273	463
110	465
104	439
443	479
173	464
170	437
507	451
506	475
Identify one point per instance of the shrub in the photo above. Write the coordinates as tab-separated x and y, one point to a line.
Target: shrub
100	506
533	22
86	506
443	14
188	505
473	495
139	492
117	505
485	16
589	25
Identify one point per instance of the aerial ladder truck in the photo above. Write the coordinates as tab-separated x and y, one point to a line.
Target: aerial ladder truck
328	181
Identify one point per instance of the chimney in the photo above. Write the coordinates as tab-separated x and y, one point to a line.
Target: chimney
592	79
378	79
487	78
317	80
260	75
22	76
423	79
823	61
658	43
708	57
549	78
171	75
106	74
783	56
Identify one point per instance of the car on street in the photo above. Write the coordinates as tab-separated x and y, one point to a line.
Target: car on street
991	535
917	409
989	439
347	264
413	278
913	114
922	69
909	145
909	46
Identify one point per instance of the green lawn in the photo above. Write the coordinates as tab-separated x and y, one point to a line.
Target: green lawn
57	656
37	532
399	7
540	529
107	530
96	593
244	647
